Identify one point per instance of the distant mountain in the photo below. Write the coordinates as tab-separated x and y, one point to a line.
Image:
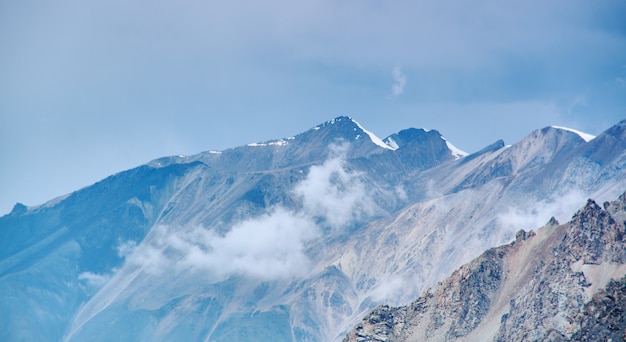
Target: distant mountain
292	239
560	283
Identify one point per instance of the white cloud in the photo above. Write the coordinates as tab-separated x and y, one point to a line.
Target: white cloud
270	246
530	218
399	81
401	193
93	279
267	247
126	248
389	287
333	194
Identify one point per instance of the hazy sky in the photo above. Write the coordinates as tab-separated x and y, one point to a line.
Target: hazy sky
90	88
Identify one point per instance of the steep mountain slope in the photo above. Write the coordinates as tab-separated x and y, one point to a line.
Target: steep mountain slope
563	282
45	250
291	239
475	203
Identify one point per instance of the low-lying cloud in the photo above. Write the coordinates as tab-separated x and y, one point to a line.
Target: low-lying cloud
267	247
270	246
562	207
334	195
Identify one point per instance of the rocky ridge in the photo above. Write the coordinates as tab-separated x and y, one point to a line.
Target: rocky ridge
562	282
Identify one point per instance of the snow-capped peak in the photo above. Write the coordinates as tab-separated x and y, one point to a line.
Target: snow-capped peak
456	152
585	136
376	140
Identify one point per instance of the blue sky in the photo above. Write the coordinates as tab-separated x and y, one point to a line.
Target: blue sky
90	88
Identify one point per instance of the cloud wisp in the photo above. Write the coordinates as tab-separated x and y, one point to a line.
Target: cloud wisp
399	81
334	196
268	247
530	218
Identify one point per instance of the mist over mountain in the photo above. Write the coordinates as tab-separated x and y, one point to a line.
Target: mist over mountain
293	239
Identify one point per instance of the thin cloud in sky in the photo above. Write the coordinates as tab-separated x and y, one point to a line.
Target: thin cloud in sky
399	81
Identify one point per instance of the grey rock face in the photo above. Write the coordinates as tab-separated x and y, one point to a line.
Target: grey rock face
604	317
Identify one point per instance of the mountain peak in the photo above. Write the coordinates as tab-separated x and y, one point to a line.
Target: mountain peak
348	122
585	136
411	137
19	209
550	140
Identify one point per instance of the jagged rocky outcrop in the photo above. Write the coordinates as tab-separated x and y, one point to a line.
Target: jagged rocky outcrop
562	282
604	316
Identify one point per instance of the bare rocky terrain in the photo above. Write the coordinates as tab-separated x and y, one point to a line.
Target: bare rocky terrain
561	283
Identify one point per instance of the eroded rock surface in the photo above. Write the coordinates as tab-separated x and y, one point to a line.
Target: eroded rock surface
563	282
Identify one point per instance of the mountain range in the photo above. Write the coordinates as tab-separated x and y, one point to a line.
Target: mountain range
294	239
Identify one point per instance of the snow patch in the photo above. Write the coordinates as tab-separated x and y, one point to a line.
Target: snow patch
215	152
51	203
391	143
456	152
585	136
280	142
376	140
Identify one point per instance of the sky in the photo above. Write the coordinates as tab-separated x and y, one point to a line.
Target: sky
91	88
